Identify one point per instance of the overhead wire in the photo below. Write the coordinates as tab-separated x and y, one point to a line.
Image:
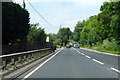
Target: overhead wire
40	15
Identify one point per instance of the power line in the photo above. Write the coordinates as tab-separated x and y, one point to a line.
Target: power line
40	15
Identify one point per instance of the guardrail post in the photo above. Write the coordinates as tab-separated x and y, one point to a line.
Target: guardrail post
24	58
13	63
32	56
19	60
28	57
4	65
37	54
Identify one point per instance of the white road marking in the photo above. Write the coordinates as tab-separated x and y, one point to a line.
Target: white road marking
79	52
87	56
98	61
115	70
82	54
41	65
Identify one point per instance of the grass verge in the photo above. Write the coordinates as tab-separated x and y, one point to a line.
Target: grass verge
101	49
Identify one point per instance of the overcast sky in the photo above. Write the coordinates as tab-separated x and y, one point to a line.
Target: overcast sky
61	12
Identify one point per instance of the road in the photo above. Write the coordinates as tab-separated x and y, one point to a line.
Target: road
75	63
110	61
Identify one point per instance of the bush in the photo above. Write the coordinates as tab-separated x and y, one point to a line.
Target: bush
111	45
57	42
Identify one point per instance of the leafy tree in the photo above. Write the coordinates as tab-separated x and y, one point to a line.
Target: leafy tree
52	37
78	28
104	26
64	35
109	20
15	22
115	28
89	33
36	34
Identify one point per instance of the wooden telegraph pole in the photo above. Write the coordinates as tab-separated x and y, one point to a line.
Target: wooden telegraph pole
23	3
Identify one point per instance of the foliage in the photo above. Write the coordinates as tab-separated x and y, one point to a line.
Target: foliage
109	21
78	28
111	45
64	35
36	34
15	22
89	33
52	37
103	28
57	41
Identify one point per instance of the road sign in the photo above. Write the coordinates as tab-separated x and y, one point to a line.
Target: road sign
47	39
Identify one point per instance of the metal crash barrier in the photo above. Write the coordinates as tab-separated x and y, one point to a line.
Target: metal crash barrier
21	57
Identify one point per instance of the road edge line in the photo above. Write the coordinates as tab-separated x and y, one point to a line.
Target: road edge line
116	70
41	65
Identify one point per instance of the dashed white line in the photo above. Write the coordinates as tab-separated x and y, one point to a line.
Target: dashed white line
41	65
87	56
79	52
118	71
82	54
98	61
115	70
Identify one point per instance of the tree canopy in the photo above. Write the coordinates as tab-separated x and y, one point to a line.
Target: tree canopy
64	35
105	25
52	37
36	34
15	22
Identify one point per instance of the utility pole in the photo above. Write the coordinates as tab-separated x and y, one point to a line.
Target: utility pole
23	3
60	36
90	26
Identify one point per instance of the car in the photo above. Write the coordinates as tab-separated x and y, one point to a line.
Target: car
72	45
67	46
76	45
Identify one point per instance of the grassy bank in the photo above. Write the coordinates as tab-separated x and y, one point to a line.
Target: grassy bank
101	49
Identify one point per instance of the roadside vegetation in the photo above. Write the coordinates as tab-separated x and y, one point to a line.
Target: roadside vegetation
101	32
61	38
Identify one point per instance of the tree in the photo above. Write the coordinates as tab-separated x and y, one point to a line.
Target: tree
64	35
115	28
78	28
36	34
109	20
52	37
15	22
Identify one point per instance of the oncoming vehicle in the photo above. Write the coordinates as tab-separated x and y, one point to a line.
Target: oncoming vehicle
76	45
67	46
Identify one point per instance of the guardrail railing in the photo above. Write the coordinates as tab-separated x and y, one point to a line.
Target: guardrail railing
20	57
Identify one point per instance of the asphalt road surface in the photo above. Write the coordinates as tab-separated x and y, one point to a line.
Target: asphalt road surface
108	60
76	63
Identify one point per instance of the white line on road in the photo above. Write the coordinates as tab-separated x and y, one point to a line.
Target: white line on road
118	71
82	54
115	70
41	65
79	52
87	56
98	61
